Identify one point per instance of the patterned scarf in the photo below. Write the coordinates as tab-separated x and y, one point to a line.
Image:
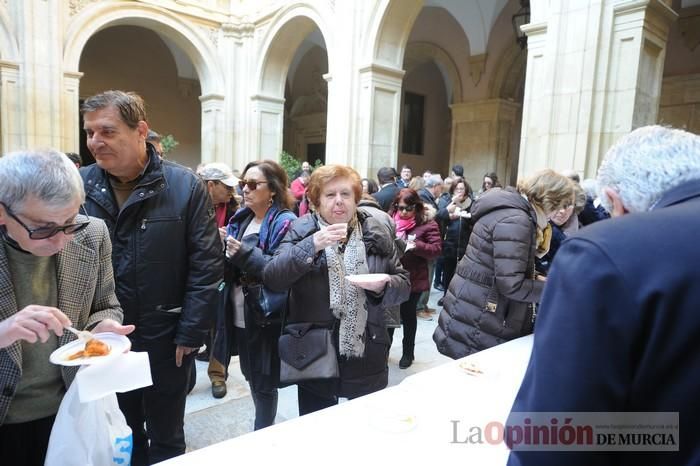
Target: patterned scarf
348	302
544	232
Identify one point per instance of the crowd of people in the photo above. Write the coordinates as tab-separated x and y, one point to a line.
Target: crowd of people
182	262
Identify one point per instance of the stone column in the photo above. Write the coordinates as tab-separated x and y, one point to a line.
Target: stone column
12	126
212	127
70	110
593	74
237	54
37	23
267	124
379	118
481	138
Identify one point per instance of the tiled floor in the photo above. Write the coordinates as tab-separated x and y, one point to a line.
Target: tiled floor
208	420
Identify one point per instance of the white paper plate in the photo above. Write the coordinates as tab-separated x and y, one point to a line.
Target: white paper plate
367	278
117	345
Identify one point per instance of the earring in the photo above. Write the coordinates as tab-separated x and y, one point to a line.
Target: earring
270	202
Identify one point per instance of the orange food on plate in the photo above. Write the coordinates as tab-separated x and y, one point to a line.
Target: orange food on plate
93	347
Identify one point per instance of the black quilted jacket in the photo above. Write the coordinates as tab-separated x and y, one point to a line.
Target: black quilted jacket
491	297
167	255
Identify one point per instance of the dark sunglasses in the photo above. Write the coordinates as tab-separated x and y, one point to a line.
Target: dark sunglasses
252	184
48	232
406	208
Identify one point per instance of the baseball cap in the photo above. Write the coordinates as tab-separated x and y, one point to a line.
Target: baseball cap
217	171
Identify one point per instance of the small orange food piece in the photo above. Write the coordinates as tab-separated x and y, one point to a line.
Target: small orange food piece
93	347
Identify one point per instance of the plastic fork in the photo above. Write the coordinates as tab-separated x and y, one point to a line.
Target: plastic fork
82	334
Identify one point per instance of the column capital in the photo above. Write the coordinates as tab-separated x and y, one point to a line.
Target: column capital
9	65
211	98
383	70
534	29
73	74
264	98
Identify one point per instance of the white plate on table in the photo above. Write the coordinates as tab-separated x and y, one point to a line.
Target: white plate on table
117	345
363	278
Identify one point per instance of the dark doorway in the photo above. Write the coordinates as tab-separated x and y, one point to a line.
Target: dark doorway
315	152
413	115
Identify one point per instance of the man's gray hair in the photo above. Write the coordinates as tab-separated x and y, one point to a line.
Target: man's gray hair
590	187
48	175
646	163
433	181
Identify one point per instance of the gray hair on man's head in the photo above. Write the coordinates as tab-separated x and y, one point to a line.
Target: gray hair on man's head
47	174
433	181
590	186
646	163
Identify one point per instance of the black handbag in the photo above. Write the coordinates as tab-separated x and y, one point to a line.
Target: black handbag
266	306
306	353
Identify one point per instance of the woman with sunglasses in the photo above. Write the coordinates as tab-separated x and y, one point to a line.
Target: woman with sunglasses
493	295
322	249
253	235
416	225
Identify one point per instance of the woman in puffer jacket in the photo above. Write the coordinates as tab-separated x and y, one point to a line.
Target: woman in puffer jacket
493	294
416	225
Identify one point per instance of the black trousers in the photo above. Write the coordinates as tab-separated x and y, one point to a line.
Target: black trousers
25	444
161	407
409	322
310	401
265	400
448	271
439	277
265	408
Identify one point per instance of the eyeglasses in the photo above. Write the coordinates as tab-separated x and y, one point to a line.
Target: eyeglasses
252	184
48	232
406	208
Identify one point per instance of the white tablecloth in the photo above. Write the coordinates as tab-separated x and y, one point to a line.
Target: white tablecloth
426	418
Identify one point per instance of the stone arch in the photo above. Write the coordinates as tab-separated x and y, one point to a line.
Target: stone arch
389	32
283	38
508	79
418	53
192	41
8	43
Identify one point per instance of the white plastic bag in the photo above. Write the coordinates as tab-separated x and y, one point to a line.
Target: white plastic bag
89	434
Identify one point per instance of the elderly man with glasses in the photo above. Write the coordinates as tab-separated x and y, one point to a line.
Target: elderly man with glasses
55	271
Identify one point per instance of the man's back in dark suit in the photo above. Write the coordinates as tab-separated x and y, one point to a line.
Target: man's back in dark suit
386	196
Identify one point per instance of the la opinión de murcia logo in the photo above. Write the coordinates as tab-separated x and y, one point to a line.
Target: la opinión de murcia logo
574	431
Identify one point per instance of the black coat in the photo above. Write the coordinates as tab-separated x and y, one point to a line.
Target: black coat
490	298
618	329
297	266
166	250
455	232
385	196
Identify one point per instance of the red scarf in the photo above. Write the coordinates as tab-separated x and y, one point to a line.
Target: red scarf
404	224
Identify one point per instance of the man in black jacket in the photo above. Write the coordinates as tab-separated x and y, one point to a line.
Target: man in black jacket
167	262
387	187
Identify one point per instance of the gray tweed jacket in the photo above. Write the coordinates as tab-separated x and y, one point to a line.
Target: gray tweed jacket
85	283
